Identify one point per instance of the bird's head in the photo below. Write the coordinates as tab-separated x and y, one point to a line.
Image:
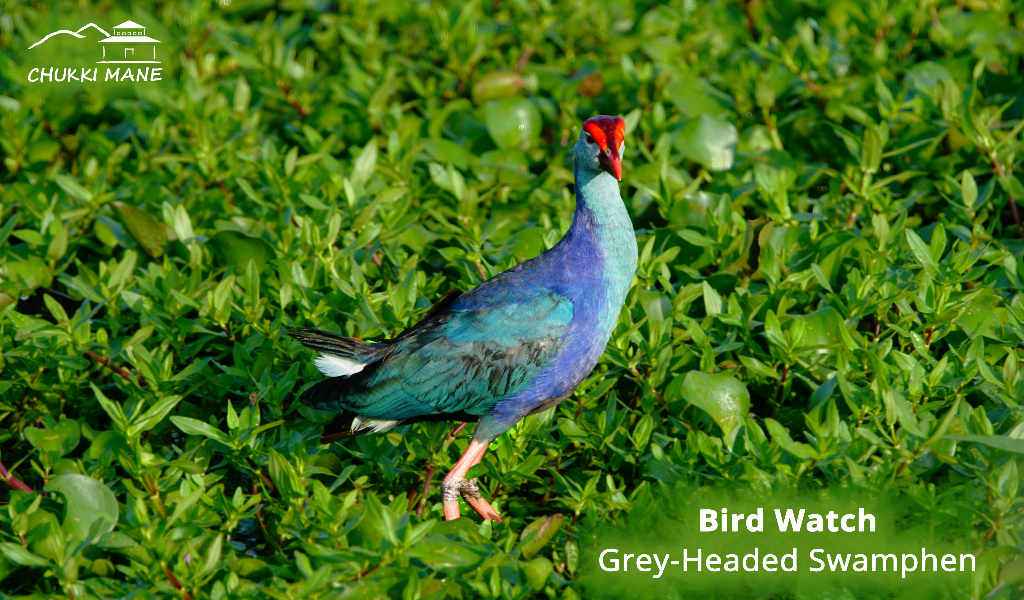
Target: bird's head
601	144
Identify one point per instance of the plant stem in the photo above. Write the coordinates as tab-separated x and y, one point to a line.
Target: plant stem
13	481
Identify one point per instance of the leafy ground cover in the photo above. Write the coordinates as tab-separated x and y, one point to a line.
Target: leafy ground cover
829	292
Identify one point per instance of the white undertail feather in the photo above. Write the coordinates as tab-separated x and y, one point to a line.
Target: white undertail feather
336	366
374	425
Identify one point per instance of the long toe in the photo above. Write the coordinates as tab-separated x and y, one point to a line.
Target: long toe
471	492
484	509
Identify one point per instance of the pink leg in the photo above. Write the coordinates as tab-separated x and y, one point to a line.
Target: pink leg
455	485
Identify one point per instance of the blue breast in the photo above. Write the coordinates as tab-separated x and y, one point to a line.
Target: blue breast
593	266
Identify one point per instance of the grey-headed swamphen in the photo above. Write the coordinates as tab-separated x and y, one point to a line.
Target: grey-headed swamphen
515	345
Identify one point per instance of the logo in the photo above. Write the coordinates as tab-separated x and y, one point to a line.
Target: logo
127	54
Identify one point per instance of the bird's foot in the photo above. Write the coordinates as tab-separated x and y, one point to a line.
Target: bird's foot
468	489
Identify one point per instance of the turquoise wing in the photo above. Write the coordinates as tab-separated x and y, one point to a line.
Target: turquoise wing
462	358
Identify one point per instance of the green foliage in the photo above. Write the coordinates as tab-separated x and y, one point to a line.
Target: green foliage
722	396
829	293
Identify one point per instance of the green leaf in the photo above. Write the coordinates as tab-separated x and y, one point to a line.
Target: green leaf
29	273
248	190
823	392
303	565
1012	186
440	552
8	227
242	95
180	222
1011	573
712	301
58	439
449	152
1008	481
1000	442
538	533
29	236
19	555
147	231
113	409
921	252
364	164
820	331
720	395
781	437
213	554
236	249
90	505
968	190
693	96
55	308
45	537
943	425
759	368
871	157
537	572
196	427
283	474
696	239
153	415
58	243
710	141
642	431
103	228
937	245
906	417
500	84
232	416
72	188
512	122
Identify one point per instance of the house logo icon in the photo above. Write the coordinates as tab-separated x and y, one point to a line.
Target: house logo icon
126	54
129	44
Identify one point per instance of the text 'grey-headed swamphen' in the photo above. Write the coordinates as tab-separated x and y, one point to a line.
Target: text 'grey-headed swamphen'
517	344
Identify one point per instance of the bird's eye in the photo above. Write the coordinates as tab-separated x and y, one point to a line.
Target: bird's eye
589	138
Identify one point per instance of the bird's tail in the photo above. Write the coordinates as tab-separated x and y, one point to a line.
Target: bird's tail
324	396
338	356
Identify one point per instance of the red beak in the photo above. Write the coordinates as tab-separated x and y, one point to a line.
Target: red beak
611	162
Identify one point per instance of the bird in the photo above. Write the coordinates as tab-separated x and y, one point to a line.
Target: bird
517	344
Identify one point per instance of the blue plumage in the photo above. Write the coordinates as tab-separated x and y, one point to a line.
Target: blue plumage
514	345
